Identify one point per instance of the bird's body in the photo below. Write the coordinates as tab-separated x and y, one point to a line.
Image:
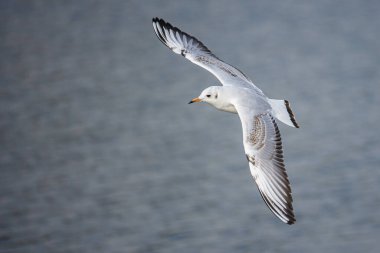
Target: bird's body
229	97
261	136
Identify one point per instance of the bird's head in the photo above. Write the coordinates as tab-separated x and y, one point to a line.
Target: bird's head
209	95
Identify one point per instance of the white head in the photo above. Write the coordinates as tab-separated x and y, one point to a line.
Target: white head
209	95
218	97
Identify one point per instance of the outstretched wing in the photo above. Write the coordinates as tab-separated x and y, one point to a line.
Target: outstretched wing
194	50
263	148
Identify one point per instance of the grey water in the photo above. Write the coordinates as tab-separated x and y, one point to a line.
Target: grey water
100	151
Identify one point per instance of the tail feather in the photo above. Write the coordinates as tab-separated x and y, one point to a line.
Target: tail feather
281	110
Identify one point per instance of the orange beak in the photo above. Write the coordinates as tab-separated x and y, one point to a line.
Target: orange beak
194	100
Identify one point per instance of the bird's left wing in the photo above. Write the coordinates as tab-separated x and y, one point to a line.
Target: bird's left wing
263	149
195	51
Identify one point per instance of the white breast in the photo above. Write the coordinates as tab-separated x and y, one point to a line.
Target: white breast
227	108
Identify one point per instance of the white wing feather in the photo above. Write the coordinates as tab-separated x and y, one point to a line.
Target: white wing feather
263	148
195	51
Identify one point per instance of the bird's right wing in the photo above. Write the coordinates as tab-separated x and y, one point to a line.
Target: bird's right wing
263	149
195	51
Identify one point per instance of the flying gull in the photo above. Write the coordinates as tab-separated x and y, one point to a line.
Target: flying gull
258	114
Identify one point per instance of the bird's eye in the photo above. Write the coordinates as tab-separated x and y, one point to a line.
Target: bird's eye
208	96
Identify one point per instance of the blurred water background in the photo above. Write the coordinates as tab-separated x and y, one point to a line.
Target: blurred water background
101	153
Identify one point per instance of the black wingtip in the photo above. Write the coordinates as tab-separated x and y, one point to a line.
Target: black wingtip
291	222
291	114
160	21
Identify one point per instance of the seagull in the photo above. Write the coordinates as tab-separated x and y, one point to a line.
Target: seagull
258	115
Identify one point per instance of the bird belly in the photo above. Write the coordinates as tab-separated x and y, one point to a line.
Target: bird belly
227	108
